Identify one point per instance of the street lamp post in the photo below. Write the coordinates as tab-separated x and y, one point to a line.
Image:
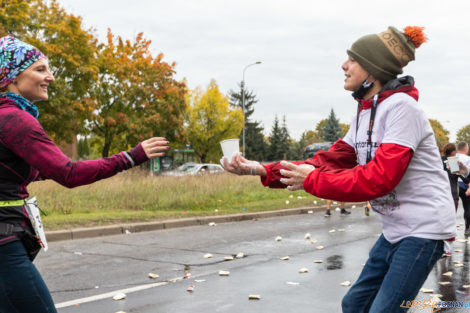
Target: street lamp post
243	103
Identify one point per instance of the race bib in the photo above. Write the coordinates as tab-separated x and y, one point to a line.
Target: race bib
35	217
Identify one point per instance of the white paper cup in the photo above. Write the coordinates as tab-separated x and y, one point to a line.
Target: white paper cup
453	164
230	147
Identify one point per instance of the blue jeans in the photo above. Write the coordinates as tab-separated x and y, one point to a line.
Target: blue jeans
22	289
393	273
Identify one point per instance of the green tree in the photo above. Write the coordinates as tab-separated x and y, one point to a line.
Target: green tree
298	147
332	128
440	133
463	134
256	147
210	119
276	146
135	95
70	49
83	148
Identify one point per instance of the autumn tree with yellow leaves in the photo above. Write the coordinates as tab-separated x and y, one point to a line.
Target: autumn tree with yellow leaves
441	134
210	119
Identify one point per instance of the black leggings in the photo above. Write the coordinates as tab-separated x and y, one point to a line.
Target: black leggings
466	207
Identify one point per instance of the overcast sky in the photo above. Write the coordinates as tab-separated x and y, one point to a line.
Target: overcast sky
301	44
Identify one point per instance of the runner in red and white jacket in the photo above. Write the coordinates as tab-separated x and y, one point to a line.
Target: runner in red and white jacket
404	181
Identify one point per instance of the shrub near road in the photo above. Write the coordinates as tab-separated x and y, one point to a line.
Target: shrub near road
134	196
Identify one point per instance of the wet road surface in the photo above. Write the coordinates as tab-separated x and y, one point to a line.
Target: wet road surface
102	267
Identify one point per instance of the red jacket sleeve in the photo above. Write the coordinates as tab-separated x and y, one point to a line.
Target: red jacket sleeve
22	134
340	155
364	182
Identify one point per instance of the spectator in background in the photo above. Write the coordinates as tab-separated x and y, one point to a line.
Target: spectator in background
328	209
449	151
462	154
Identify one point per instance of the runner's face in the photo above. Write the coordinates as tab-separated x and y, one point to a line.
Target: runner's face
33	82
355	74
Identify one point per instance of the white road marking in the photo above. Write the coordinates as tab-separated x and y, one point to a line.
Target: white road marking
112	293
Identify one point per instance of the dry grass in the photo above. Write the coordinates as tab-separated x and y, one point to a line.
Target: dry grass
135	196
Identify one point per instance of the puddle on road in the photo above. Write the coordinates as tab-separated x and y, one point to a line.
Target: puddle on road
334	262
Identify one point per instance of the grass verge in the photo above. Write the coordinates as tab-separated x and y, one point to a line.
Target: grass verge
134	196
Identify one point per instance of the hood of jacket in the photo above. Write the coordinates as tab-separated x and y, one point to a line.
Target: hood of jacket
404	84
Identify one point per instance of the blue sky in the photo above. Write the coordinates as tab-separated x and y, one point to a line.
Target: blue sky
301	44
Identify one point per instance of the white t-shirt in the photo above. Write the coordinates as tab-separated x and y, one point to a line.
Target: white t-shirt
421	205
465	159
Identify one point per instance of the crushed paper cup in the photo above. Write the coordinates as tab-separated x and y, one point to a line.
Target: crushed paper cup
447	274
285	258
224	273
207	256
303	270
153	276
119	296
346	283
212	224
314	241
307	236
318	261
254	297
228	258
278	238
459	265
444	283
319	247
332	231
426	290
291	283
240	255
310	212
457	250
341	230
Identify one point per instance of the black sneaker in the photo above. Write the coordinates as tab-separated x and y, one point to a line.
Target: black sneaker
344	212
327	213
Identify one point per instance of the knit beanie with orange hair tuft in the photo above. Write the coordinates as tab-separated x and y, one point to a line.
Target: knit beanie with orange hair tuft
384	55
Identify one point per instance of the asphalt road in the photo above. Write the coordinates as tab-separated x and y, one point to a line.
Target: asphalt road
84	275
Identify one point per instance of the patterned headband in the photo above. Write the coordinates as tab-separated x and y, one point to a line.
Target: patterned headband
15	57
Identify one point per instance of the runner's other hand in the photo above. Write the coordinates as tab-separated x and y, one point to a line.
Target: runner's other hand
296	175
155	147
242	166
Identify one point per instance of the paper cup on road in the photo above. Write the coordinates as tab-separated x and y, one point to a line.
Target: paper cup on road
453	164
230	147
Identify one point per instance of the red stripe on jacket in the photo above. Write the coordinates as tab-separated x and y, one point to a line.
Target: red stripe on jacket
338	177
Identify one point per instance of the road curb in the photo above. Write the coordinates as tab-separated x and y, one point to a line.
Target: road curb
91	232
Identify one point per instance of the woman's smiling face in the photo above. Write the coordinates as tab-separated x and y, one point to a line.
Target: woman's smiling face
33	82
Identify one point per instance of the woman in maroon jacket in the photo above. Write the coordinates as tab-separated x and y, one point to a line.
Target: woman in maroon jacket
28	154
